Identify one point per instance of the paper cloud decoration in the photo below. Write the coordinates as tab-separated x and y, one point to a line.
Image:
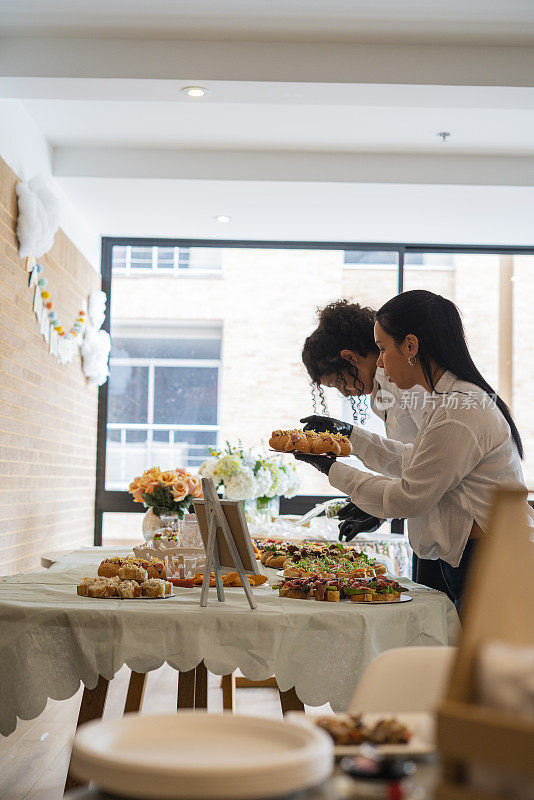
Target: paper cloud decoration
96	343
38	218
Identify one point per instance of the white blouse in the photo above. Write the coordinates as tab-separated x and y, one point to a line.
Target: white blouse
445	479
403	417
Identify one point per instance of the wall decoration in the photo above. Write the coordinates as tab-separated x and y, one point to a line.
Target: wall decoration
38	217
96	343
62	343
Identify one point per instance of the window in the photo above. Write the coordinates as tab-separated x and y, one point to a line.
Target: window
134	260
178	387
163	399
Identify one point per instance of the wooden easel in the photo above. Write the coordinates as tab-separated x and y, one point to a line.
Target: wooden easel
216	520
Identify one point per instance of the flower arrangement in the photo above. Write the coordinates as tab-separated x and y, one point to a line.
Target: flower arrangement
249	476
168	492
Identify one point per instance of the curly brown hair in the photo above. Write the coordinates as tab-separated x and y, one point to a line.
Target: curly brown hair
342	326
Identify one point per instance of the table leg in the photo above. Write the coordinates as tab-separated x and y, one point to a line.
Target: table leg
228	686
289	701
186	689
136	691
201	686
92	707
246	683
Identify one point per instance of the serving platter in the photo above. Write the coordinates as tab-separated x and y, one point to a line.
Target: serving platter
422	726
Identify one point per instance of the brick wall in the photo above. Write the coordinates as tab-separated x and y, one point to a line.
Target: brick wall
48	413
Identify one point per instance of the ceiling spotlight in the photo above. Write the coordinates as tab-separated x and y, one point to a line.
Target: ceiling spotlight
223	218
444	135
195	91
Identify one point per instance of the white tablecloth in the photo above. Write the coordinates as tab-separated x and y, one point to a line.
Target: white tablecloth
51	639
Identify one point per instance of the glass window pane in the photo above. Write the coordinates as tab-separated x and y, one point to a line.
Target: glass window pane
205	258
522	324
471	281
127	394
185	395
135	436
141	258
165	257
160	436
118	257
371	256
154	347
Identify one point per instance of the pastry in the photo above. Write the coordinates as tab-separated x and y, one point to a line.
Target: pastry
298	441
154	587
199	577
156	569
344	444
278	440
127	590
132	572
98	587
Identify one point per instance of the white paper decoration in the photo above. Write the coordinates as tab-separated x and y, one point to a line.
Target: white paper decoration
38	218
96	343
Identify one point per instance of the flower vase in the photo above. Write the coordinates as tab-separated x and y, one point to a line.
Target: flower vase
153	524
262	509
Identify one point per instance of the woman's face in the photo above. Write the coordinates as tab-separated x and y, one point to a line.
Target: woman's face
393	358
345	382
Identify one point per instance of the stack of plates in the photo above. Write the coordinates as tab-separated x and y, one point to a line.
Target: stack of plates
199	755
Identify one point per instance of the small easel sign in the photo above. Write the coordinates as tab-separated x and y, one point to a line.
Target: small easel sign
225	534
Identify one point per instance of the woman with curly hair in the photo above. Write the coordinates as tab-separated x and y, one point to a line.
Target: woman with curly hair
342	353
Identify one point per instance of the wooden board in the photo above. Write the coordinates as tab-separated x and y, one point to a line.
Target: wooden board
235	516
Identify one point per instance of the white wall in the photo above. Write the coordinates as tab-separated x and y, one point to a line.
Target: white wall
24	148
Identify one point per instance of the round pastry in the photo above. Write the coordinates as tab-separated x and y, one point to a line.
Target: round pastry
344	444
278	440
321	444
298	442
132	572
156	569
333	445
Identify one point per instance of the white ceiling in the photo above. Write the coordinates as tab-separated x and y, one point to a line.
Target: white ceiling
207	124
481	21
308	136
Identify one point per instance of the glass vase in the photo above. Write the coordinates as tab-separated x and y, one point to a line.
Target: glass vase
152	524
262	509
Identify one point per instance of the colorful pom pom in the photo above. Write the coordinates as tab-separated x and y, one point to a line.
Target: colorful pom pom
42	282
49	305
45	295
38	269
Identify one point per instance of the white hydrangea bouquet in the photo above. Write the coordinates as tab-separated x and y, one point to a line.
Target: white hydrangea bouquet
255	478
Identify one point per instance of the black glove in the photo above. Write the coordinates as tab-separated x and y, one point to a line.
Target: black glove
355	521
322	463
316	422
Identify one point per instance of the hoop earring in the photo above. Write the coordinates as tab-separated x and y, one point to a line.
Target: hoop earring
412	361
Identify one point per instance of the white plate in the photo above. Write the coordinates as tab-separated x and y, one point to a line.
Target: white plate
141	597
423	727
201	756
404	598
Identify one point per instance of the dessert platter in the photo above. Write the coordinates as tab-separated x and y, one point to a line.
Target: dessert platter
405	734
127	578
332	444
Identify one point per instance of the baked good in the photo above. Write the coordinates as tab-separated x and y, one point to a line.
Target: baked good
199	577
127	590
299	442
156	569
278	440
154	587
132	572
344	444
98	587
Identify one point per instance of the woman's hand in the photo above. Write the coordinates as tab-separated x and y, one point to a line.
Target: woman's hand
316	422
322	463
355	521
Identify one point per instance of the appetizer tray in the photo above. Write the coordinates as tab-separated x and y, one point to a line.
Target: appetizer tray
422	727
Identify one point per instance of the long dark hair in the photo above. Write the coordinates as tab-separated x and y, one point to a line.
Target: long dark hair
438	326
342	326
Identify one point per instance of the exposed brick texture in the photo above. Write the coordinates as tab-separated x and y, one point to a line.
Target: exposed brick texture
48	413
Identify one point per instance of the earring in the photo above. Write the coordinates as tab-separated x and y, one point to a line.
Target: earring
411	361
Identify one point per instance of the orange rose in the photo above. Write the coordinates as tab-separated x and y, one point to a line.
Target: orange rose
195	485
181	471
138	496
179	490
168	477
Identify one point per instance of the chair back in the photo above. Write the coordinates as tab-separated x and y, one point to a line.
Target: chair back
404	680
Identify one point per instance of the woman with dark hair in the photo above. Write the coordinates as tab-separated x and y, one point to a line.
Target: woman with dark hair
342	353
466	446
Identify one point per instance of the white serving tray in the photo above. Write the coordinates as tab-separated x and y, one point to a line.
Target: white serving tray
422	725
201	756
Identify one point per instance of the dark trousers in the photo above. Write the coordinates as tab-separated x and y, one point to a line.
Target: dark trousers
429	573
456	577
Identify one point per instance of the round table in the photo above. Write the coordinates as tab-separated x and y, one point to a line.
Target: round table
51	638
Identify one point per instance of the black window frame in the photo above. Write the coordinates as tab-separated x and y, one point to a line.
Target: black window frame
121	502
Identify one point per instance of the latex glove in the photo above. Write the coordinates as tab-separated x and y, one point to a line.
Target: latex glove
322	463
316	422
355	521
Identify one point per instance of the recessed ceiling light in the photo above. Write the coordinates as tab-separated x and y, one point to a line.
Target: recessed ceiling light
223	218
195	91
443	135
